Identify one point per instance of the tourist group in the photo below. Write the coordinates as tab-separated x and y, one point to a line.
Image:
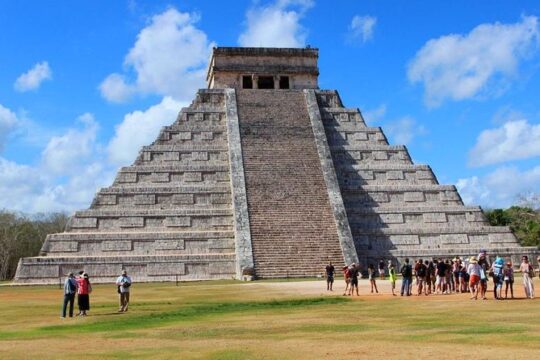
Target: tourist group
438	276
80	285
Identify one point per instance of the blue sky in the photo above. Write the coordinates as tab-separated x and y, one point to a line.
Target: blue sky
84	84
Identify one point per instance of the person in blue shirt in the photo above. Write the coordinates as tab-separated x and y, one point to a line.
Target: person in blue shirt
70	289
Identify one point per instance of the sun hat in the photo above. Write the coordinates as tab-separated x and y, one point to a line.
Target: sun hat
473	260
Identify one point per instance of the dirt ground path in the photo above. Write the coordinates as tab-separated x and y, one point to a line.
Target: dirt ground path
318	288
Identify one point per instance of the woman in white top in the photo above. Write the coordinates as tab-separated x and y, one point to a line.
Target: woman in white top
528	274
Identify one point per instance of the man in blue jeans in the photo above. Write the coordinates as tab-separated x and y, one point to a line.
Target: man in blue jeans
406	273
70	289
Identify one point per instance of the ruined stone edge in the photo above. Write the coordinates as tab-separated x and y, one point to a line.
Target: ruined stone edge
334	194
242	231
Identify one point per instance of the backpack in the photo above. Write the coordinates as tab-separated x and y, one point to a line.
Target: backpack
72	286
406	270
421	271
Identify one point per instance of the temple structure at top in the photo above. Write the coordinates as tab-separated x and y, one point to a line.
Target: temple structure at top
265	173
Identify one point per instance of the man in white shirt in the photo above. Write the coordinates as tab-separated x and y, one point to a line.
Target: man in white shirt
124	283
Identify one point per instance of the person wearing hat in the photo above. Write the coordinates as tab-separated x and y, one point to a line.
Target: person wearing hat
70	289
124	283
474	271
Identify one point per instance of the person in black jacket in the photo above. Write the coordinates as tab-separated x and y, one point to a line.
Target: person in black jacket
406	273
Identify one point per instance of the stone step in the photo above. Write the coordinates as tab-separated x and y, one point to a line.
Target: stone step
139	243
186	147
367	210
125	189
173	167
140	212
198	127
178	178
141	268
132	236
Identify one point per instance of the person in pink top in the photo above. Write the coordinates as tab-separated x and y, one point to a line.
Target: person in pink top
83	294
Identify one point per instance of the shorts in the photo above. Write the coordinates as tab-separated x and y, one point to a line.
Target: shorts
330	279
474	280
354	281
441	280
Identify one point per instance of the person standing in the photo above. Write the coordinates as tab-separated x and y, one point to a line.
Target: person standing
484	265
354	271
508	273
406	273
83	294
474	275
70	289
528	275
124	284
381	269
497	269
347	277
421	271
392	277
371	277
330	270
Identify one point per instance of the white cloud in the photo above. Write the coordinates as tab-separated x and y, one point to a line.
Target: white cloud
169	58
462	66
362	27
497	189
276	25
65	154
512	141
115	88
8	123
33	78
403	131
71	169
140	128
374	115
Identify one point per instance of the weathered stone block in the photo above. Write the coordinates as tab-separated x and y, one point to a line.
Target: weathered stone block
199	156
169	245
405	239
182	135
183	199
177	221
414	196
221	268
448	239
394	175
80	223
131	222
192	177
146	199
106	199
391	218
435	217
63	246
155	269
116	245
207	135
126	177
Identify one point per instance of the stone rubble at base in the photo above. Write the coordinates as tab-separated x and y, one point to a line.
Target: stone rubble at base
279	180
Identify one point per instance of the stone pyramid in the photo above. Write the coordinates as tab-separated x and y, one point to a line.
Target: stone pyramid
265	171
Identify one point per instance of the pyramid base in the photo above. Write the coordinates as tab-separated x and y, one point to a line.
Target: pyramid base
105	269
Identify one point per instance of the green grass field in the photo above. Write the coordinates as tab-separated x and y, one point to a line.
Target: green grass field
265	320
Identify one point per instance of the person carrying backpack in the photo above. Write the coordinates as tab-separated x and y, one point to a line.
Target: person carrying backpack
406	273
124	284
70	289
421	272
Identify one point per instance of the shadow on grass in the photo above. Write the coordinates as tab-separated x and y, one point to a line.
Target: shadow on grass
112	323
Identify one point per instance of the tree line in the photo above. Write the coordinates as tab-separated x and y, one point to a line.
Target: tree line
524	222
22	236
